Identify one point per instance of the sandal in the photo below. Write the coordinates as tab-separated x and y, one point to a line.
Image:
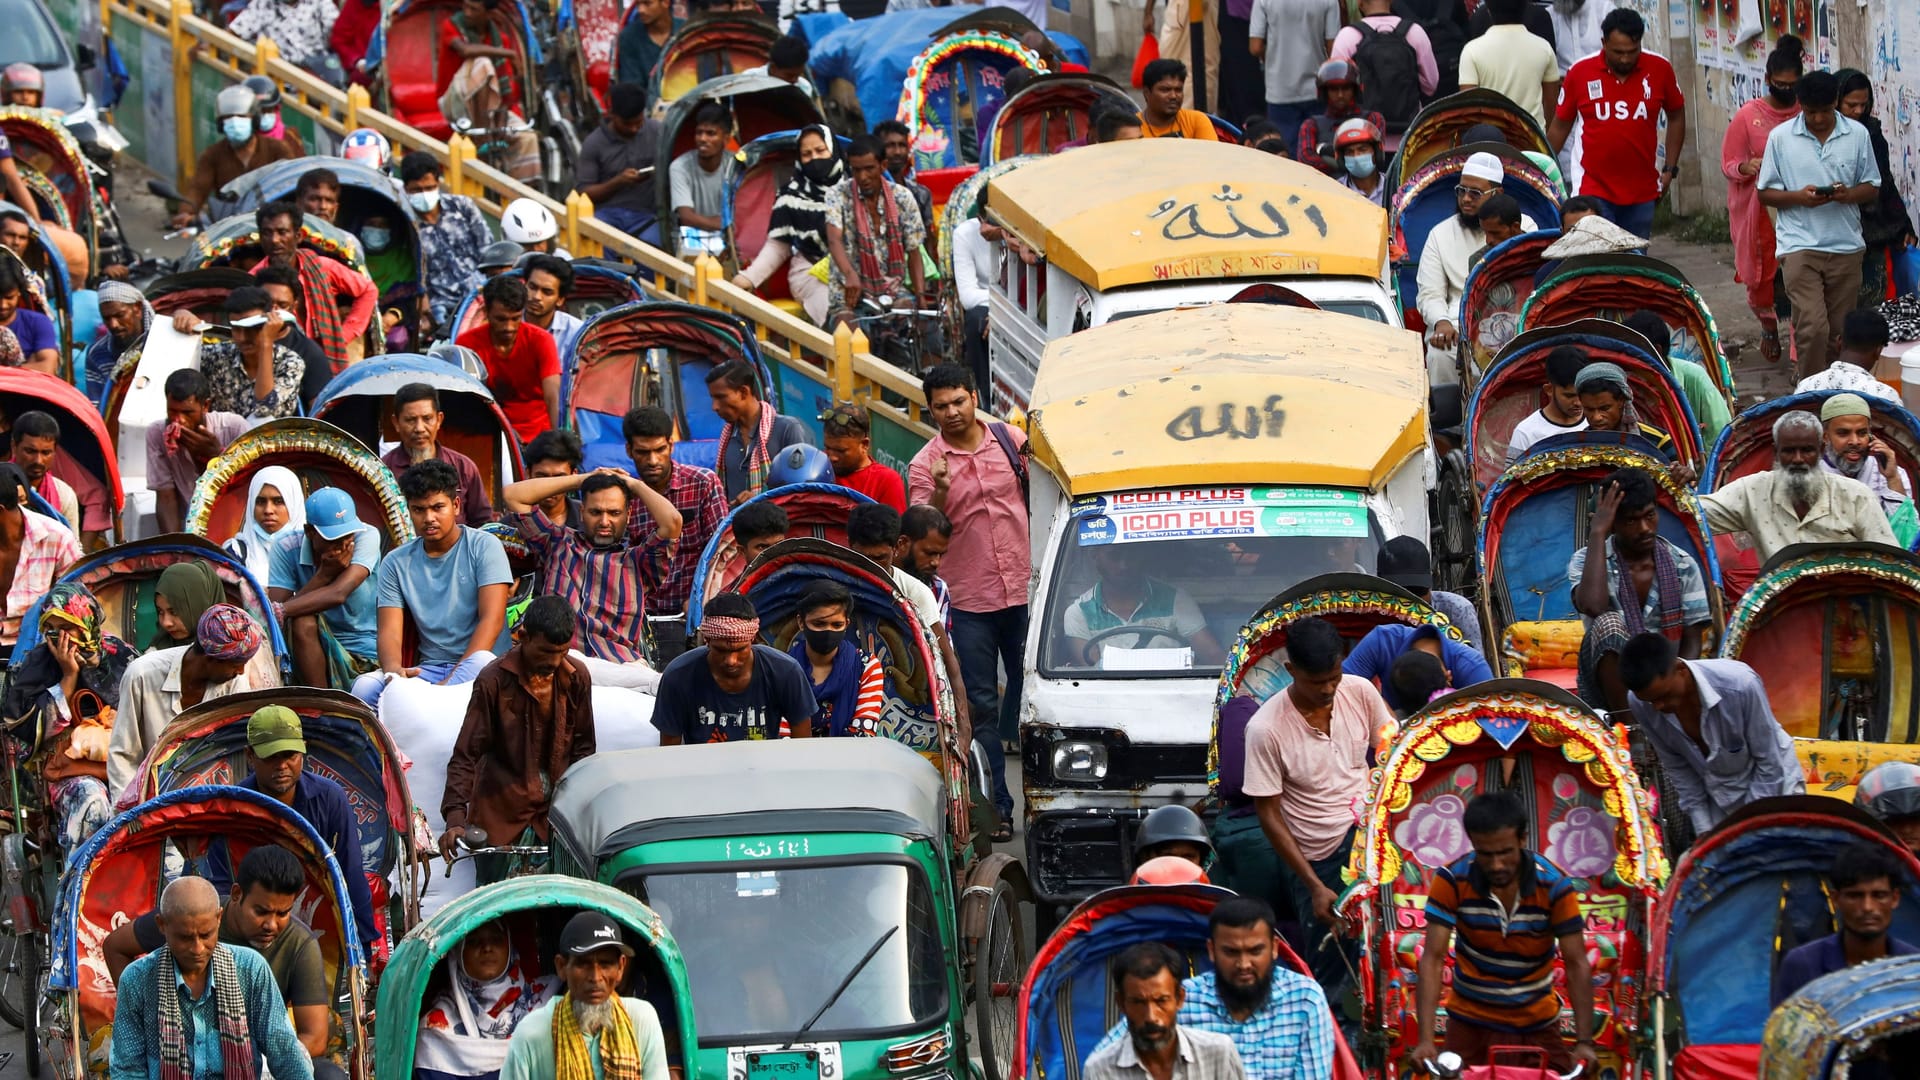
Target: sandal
1002	833
1770	345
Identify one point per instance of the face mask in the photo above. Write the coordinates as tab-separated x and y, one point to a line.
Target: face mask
237	129
1360	166
1782	95
268	120
819	170
376	239
424	202
825	642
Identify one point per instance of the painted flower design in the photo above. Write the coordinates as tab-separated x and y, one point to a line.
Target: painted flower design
1432	835
1581	844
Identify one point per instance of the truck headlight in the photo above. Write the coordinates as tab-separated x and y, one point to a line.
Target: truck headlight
1084	762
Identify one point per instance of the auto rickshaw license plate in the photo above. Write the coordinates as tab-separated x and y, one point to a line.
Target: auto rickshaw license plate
802	1062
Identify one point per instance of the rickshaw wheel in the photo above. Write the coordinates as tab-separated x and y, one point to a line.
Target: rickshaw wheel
18	963
1455	550
999	963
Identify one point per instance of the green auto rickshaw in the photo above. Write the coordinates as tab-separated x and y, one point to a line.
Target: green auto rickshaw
532	909
832	926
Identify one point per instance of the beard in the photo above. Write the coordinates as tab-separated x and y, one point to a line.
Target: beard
418	456
1847	466
1799	482
1150	1038
593	1019
1244	998
1470	222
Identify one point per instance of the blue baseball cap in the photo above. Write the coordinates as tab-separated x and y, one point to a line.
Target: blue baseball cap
330	511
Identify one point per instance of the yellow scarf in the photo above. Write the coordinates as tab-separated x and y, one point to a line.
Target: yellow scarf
619	1052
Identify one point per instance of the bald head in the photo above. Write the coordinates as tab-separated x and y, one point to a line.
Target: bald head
189	898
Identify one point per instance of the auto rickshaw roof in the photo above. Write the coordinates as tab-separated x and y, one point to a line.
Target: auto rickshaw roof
615	801
1230	394
1178	209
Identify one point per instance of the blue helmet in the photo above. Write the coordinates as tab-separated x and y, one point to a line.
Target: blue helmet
799	464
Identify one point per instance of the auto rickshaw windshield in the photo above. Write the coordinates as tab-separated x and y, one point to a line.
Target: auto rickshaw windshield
1192	573
767	948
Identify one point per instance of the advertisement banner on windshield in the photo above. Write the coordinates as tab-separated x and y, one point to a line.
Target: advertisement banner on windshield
1195	513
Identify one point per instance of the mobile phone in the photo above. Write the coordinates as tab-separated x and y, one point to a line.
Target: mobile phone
1826	190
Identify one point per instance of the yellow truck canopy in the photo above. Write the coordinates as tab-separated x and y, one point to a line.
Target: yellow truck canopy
1180	209
1230	394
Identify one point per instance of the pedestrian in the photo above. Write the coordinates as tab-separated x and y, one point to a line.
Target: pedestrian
1148	990
1885	223
848	431
1755	262
1711	725
975	472
1306	765
1175	35
1609	109
1396	64
1511	60
1291	39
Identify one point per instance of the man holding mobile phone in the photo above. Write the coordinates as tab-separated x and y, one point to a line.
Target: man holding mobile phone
1817	171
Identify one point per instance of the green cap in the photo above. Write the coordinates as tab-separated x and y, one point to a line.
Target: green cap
275	729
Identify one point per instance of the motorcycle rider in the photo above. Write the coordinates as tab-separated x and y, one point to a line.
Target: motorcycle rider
268	123
241	150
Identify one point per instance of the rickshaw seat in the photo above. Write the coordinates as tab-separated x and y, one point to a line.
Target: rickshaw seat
413	84
1547	649
1717	1062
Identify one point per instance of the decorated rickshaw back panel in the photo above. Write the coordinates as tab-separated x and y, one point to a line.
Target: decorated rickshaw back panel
1496	288
125	588
1614	287
816	511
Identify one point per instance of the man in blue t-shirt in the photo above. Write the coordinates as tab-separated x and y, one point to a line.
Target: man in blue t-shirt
451	583
1373	658
730	688
1865	883
322	578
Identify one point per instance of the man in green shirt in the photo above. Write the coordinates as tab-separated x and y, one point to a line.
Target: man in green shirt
1703	395
590	1032
259	914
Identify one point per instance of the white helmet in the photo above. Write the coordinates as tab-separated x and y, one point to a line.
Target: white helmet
528	222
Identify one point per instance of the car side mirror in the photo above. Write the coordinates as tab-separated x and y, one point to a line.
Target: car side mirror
83	58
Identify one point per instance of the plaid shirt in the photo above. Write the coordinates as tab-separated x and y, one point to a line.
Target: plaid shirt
1288	1038
696	493
604	586
45	547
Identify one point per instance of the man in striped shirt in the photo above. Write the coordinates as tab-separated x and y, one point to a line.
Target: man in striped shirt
600	571
1511	908
697	495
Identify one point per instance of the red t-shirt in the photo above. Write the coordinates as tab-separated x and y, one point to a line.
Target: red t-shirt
879	483
515	377
1619	126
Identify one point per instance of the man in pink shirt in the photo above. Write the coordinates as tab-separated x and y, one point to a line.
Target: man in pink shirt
976	474
1379	17
33	548
1306	769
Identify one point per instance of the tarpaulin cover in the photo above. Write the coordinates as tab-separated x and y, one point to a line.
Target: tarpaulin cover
818	511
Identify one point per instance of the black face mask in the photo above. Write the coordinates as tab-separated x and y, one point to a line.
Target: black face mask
1781	95
825	642
819	170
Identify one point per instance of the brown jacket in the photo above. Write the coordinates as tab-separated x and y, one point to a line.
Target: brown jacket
219	166
508	759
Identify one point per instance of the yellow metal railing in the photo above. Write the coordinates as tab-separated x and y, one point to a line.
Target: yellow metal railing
840	358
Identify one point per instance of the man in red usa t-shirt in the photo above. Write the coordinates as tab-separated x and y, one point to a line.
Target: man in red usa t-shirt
1611	104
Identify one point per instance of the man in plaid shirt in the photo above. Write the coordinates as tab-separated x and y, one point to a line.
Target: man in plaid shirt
1278	1018
33	548
693	491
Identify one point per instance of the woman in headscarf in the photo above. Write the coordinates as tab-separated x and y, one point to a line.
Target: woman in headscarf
1884	223
125	316
1754	262
464	1032
276	507
797	226
184	593
62	701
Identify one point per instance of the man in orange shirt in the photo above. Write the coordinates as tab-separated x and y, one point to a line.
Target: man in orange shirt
523	364
1166	82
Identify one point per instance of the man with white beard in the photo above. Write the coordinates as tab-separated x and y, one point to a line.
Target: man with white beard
590	1032
1797	502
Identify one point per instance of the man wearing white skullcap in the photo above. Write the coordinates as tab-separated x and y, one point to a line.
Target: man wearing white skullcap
1445	260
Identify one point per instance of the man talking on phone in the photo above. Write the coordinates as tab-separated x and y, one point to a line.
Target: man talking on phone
1816	173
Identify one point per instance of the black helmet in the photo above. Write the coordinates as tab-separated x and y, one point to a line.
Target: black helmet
1890	790
1167	824
265	90
500	255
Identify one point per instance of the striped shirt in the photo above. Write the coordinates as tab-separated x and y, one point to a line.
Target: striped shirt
1288	1038
944	598
604	586
45	547
696	493
1503	960
1202	1055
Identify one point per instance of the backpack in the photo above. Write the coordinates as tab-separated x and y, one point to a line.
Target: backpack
1446	35
1389	74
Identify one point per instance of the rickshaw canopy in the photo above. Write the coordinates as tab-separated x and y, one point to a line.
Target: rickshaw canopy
308	447
1836	1019
1118	215
1205	395
83	434
615	801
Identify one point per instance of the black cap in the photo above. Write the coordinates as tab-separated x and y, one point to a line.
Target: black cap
591	931
1405	562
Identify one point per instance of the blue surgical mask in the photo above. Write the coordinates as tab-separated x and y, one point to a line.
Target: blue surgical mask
424	202
268	120
376	239
1359	166
237	129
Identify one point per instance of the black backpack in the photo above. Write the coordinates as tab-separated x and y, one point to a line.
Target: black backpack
1441	19
1389	73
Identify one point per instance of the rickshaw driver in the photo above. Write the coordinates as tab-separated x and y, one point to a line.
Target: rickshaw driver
1511	908
589	1032
338	302
731	688
757	527
1124	596
1865	883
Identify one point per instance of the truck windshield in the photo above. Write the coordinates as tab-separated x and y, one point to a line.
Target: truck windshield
1157	584
766	948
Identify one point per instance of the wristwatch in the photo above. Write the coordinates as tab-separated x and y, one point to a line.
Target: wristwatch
1671	170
